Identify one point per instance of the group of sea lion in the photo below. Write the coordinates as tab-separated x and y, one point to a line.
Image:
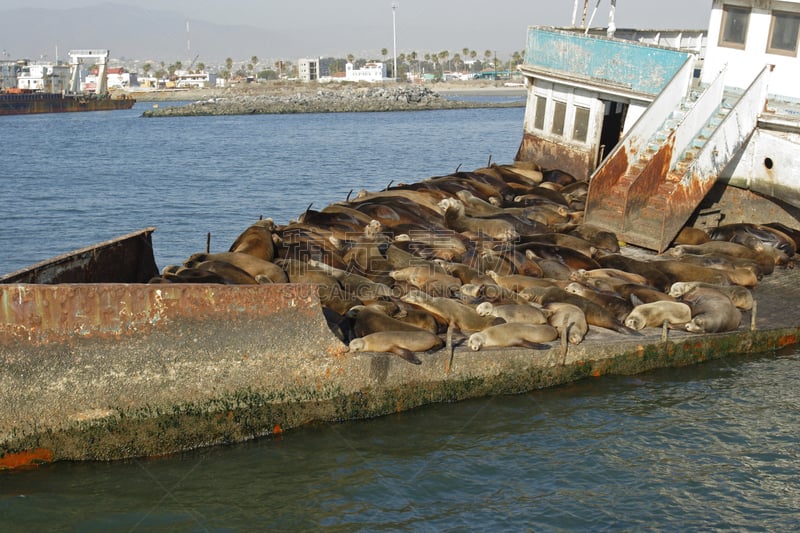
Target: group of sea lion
496	257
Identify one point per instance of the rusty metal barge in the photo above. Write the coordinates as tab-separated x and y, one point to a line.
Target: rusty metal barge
97	362
32	88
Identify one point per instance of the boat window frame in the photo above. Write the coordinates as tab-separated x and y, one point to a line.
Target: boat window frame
560	107
728	10
581	127
773	19
540	112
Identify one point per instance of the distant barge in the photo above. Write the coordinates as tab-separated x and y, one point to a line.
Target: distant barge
19	102
33	88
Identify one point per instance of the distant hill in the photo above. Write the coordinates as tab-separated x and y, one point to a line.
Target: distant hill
134	33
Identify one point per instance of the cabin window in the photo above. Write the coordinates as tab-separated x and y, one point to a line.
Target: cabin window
541	108
580	130
783	33
559	117
734	26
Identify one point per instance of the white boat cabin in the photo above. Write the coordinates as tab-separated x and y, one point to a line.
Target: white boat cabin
657	119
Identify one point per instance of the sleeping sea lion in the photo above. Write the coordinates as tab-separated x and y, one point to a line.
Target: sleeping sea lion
448	311
595	315
522	313
251	264
712	311
512	334
371	319
569	320
609	300
740	296
256	240
654	314
402	343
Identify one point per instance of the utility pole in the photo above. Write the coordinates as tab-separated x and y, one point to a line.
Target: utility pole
394	40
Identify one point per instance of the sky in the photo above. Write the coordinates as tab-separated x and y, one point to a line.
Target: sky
327	27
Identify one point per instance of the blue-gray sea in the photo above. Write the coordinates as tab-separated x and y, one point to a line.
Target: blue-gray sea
707	447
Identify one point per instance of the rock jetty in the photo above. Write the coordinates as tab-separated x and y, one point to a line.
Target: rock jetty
339	100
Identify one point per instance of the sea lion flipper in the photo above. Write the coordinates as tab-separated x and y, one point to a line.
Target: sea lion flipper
408	355
535	345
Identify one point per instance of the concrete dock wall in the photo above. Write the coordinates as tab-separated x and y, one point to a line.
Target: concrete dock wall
192	366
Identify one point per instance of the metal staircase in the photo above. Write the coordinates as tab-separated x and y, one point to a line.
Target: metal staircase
651	183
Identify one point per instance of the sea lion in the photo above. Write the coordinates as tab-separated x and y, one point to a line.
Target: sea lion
198	275
712	311
229	272
402	343
614	273
595	315
359	286
654	314
602	239
521	313
769	236
447	311
690	235
569	320
512	334
455	219
251	264
256	240
517	282
372	318
763	259
637	294
685	271
740	296
609	300
430	278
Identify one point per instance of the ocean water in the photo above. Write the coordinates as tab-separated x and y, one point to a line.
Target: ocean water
75	179
707	447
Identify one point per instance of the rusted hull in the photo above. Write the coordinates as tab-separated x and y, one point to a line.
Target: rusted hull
108	371
35	103
550	154
125	259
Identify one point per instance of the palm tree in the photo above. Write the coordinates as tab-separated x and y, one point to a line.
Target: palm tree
146	68
229	66
253	63
384	53
443	55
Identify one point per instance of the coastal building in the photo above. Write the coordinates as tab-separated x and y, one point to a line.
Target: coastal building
194	79
308	69
372	72
117	78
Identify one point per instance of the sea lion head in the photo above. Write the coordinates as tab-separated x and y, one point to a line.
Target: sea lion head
357	345
679	288
634	321
475	341
485	309
697	325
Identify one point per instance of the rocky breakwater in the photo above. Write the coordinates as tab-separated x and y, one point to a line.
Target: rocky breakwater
338	100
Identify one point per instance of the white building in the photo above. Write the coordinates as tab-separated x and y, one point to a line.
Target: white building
308	69
194	80
371	72
44	77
